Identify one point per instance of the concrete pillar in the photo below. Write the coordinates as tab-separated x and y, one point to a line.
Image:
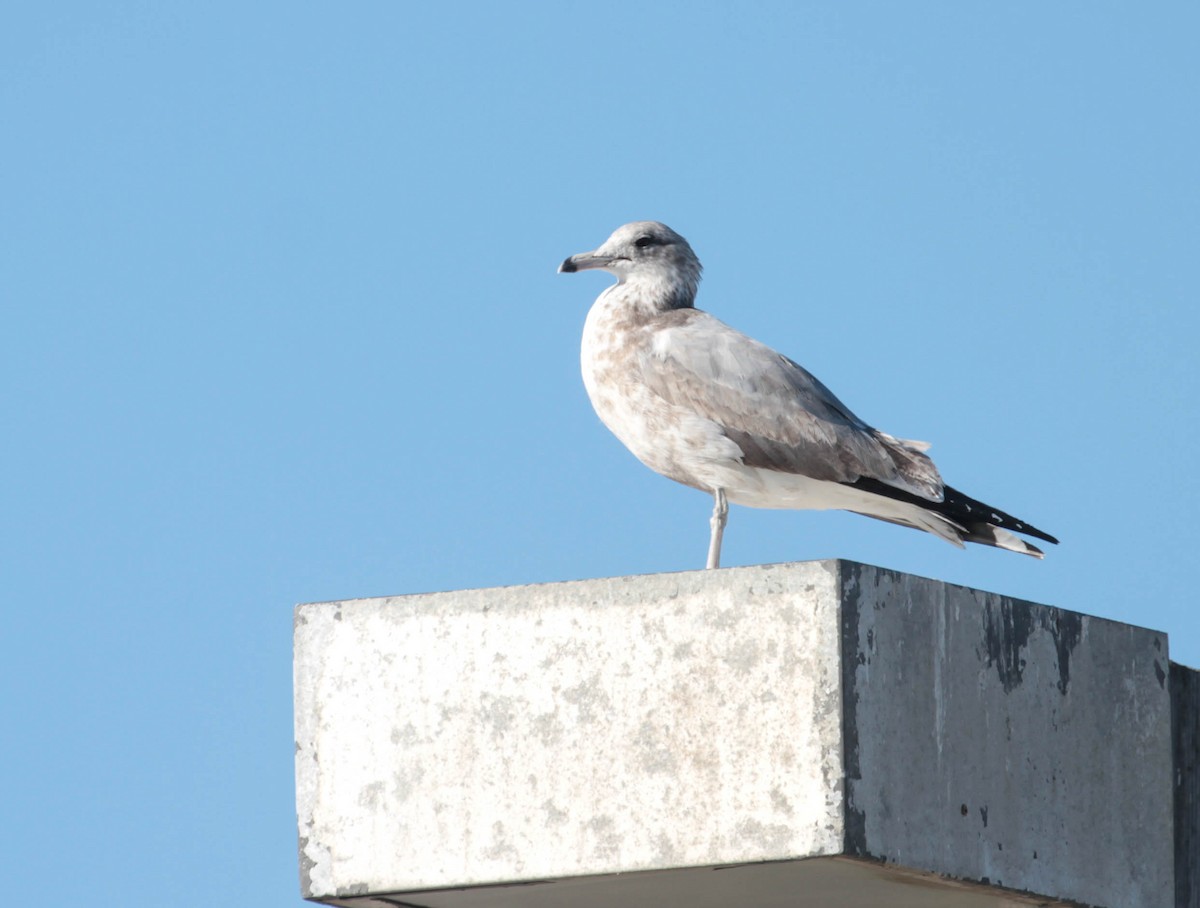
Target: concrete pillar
822	733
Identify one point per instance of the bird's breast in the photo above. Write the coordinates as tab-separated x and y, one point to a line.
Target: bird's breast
609	362
672	440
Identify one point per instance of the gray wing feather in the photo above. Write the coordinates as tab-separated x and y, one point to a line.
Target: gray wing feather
778	413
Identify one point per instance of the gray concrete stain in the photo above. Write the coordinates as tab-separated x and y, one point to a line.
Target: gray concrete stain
406	782
306	867
1067	630
498	712
368	795
781	802
548	728
589	698
555	816
770	837
501	848
1006	629
606	841
655	753
406	735
743	655
666	852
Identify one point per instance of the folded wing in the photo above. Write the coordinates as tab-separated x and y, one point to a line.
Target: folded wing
778	413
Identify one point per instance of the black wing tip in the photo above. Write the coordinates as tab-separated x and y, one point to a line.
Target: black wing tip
965	506
1020	526
961	509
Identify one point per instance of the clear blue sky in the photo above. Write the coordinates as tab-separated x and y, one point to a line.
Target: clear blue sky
282	324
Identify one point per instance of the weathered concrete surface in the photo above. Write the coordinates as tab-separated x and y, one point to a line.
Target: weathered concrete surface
576	731
566	729
997	740
1185	727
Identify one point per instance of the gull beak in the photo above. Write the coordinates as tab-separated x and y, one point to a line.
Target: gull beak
584	261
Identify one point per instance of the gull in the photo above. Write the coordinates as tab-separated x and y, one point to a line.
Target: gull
705	405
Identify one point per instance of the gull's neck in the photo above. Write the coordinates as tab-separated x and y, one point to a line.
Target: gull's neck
658	291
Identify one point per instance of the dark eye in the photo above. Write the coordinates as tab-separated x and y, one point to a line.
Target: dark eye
643	241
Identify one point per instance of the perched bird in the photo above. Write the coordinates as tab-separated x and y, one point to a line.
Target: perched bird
709	407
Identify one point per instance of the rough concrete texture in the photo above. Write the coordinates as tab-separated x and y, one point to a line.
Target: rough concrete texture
566	729
996	740
576	731
1185	727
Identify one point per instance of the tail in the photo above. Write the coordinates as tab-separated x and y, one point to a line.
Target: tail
958	518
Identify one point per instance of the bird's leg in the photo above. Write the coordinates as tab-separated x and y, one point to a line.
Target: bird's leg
719	515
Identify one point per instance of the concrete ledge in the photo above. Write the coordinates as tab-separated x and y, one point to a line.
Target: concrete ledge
624	741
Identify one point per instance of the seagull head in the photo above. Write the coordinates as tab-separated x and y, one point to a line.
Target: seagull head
650	255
